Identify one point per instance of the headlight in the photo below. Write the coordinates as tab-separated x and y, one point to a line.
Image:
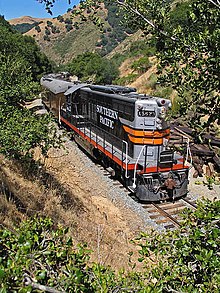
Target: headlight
161	102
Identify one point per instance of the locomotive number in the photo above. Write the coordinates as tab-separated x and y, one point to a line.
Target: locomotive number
146	113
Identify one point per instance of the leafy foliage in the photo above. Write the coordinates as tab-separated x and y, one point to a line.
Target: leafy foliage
91	66
16	83
45	255
24	27
37	28
187	42
141	65
24	47
187	260
21	130
38	253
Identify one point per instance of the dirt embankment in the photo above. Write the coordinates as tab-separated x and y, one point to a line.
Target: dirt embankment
70	191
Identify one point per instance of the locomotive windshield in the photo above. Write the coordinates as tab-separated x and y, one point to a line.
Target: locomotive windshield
146	113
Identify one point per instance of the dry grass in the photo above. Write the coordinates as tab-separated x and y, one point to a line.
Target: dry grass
25	196
60	189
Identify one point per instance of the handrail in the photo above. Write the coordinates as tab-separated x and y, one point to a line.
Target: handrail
188	151
126	158
135	167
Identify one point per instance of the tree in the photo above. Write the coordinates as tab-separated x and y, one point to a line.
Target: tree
37	28
39	254
92	67
185	260
21	131
188	52
24	47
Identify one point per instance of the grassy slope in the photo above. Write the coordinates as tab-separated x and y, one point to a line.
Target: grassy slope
64	45
76	42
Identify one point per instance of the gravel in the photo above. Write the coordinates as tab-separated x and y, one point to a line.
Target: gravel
116	192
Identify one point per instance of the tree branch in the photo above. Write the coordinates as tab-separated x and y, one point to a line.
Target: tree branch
29	282
214	3
135	11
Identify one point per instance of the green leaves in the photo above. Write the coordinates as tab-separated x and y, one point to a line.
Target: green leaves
31	242
186	36
191	62
185	261
21	131
92	67
188	259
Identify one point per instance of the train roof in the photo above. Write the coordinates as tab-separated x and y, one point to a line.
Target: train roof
56	86
126	94
112	89
122	93
74	88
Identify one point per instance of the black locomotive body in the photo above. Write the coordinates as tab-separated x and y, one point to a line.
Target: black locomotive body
128	132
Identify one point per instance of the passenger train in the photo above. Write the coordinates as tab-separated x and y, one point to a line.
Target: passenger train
126	131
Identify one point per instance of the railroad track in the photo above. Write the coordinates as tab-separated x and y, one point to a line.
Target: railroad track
168	213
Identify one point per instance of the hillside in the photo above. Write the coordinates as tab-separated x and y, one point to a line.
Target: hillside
25	20
25	23
58	38
64	37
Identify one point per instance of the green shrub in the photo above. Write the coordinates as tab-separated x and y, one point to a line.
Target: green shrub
164	92
37	28
151	83
40	254
141	65
186	260
91	65
69	27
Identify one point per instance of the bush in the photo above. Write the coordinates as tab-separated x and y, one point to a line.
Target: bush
52	260
47	31
151	82
125	80
141	65
186	260
69	27
92	65
40	254
60	18
68	21
46	38
49	23
37	28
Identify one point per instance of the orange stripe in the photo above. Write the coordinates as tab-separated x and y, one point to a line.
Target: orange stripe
142	133
155	169
115	159
95	144
144	140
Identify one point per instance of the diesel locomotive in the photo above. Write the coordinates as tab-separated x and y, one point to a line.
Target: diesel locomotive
126	131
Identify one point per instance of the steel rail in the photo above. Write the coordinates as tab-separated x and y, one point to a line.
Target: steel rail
164	213
190	203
